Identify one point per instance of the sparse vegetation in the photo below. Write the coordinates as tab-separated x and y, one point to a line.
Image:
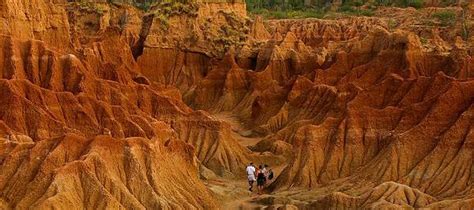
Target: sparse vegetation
91	7
289	14
232	34
413	3
448	2
401	3
175	8
354	9
163	20
446	18
392	24
423	40
166	9
465	25
311	13
295	9
146	5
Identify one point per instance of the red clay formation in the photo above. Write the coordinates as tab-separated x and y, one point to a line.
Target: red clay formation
106	106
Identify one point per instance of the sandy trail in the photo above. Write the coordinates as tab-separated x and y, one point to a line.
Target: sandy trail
234	193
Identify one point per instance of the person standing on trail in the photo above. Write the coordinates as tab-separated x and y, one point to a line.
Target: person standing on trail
251	175
270	174
260	179
265	172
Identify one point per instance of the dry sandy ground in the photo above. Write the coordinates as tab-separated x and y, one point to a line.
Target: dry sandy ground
233	193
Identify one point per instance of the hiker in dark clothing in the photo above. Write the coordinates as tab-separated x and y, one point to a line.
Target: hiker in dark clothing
261	179
270	174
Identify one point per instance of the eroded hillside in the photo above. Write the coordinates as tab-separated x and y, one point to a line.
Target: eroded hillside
106	106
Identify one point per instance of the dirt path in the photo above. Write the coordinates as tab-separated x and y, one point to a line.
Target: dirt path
234	193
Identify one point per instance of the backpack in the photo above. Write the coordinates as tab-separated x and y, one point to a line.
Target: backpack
270	176
260	175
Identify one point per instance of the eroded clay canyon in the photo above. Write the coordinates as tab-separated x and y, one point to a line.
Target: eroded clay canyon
106	106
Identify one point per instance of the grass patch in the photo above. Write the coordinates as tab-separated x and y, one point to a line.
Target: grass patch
446	18
401	3
143	6
164	10
98	8
288	14
392	24
415	3
354	9
346	10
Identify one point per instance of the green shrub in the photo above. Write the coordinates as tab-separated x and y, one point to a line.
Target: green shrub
358	3
383	2
305	14
445	17
98	8
415	3
423	40
163	21
465	25
347	8
143	6
367	13
446	3
278	15
392	24
355	10
289	14
401	3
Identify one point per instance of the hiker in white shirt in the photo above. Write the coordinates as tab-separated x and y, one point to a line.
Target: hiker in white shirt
250	175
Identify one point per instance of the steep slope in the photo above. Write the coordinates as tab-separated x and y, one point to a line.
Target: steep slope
103	172
187	39
106	106
82	128
349	103
37	19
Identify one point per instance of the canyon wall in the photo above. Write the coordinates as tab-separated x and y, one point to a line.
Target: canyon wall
83	128
107	106
380	116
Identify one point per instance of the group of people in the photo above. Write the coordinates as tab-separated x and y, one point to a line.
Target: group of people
261	175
